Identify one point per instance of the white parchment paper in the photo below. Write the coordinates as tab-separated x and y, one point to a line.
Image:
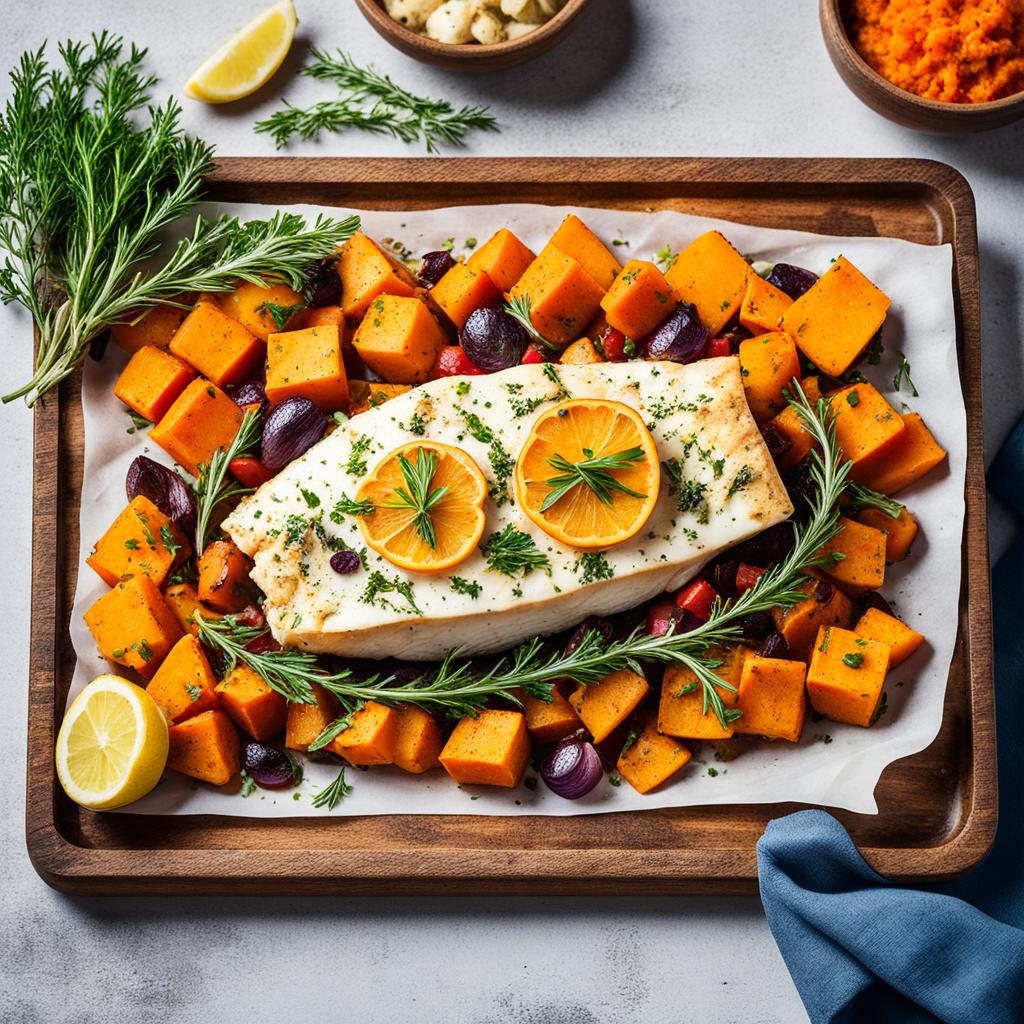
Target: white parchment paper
833	765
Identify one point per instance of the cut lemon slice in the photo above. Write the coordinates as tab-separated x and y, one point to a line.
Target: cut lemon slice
112	745
588	474
248	59
432	526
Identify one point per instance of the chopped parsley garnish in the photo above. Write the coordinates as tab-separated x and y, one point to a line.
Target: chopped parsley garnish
138	422
168	541
690	495
295	527
461	586
903	374
379	584
511	552
853	660
593	566
665	258
744	477
853	399
356	465
312	500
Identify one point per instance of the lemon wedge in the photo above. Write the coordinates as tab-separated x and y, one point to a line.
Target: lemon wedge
112	745
248	59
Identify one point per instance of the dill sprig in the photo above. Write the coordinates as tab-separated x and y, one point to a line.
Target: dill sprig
866	497
417	495
520	308
595	472
372	102
212	486
91	174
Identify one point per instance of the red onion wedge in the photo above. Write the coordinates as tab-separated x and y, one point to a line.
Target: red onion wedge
290	429
267	766
573	768
165	489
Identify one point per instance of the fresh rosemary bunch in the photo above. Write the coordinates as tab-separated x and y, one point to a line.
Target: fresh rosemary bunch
90	176
594	472
373	102
212	486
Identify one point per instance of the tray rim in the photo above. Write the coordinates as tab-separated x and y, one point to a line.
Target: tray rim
83	870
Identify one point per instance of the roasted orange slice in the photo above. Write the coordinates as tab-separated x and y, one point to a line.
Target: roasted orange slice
588	474
427	506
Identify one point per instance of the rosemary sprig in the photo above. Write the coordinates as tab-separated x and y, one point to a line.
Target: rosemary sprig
212	488
373	102
90	176
519	308
417	495
332	795
903	374
280	314
510	552
866	497
595	472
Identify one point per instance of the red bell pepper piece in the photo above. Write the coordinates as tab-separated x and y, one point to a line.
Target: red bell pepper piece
531	356
262	644
453	362
613	343
719	347
697	597
250	472
747	577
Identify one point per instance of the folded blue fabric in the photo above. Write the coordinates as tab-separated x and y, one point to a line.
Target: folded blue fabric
860	949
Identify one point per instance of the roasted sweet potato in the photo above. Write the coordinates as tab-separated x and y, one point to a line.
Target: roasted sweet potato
791	427
861	565
638	299
549	721
308	364
769	364
581	351
367	394
399	339
217	346
772	698
183	600
463	289
366	272
224	582
206	748
681	709
151	382
564	298
652	758
371	738
899	532
249	305
825	605
155	328
490	750
141	541
846	676
184	685
503	258
868	428
605	705
712	275
914	454
901	640
418	741
200	421
254	706
575	239
763	306
306	721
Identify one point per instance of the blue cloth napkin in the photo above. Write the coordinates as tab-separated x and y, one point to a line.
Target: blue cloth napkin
860	949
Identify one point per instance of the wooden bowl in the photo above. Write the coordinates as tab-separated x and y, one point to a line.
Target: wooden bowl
899	105
473	56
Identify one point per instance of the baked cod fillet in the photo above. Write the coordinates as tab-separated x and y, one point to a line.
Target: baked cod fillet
701	425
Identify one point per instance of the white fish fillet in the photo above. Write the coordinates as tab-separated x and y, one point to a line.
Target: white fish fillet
697	414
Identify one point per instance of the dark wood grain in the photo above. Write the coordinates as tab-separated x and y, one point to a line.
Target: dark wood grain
897	104
937	808
473	56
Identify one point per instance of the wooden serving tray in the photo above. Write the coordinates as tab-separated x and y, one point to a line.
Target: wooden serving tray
937	808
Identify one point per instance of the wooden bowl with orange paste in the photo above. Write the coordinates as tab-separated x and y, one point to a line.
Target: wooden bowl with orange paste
947	78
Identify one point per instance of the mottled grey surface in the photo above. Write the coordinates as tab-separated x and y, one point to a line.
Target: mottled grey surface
638	77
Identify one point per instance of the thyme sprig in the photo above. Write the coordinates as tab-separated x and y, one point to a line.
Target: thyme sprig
594	472
373	102
519	308
91	174
213	488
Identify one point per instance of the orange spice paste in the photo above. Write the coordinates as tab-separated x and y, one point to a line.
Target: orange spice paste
959	51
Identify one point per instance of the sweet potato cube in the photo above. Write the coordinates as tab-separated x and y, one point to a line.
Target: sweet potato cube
862	563
868	428
151	382
915	454
141	541
846	675
308	364
418	741
652	758
133	626
155	328
371	738
206	748
769	364
713	276
763	306
366	394
320	316
253	704
834	320
548	722
366	272
607	704
490	750
825	605
791	427
503	258
575	239
681	709
217	346
306	721
901	640
463	289
772	698
184	685
564	298
224	582
183	600
399	339
201	420
581	351
899	532
638	299
250	304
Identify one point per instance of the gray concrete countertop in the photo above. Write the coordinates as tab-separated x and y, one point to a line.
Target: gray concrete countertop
644	77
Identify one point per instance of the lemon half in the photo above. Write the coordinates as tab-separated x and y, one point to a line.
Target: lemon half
112	745
248	59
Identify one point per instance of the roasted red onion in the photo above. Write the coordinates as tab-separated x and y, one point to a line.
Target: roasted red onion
573	768
290	430
493	340
775	441
680	338
165	489
267	766
324	284
252	392
434	266
794	281
593	623
774	645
